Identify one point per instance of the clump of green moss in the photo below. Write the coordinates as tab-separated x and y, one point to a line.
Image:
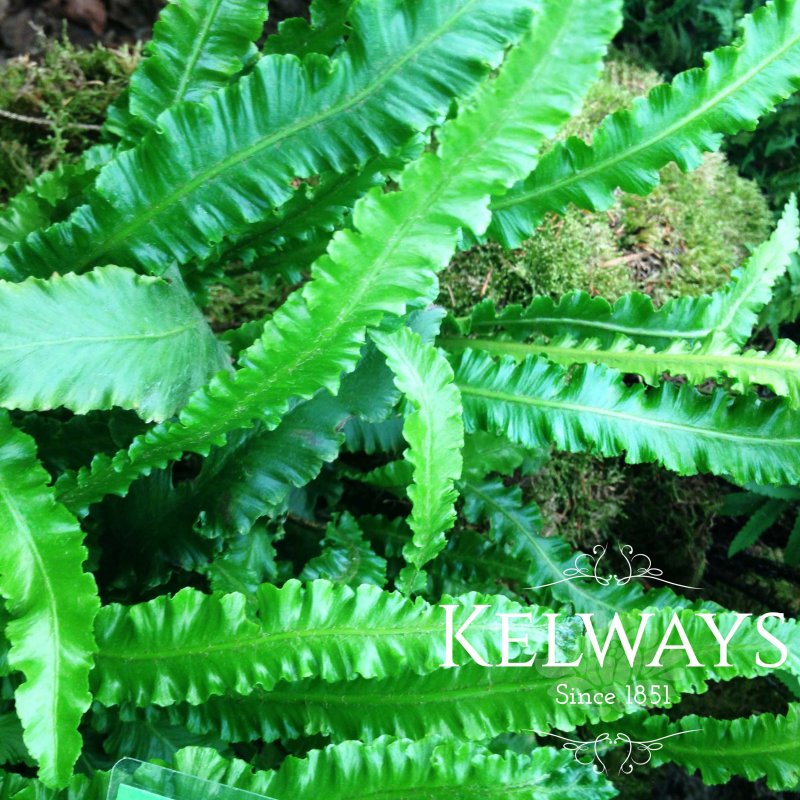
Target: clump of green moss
52	105
684	238
692	230
591	501
581	497
242	297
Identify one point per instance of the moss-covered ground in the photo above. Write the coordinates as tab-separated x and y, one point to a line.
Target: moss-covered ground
52	104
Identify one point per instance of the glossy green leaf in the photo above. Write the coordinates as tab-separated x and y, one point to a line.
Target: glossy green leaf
761	746
216	167
675	122
319	331
110	338
717	358
476	703
52	603
197	46
745	438
414	770
434	431
193	646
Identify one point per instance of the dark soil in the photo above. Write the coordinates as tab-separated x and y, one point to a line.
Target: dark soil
111	22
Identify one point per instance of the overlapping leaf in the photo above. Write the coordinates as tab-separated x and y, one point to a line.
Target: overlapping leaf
746	438
218	166
716	357
676	122
476	703
319	332
51	602
108	338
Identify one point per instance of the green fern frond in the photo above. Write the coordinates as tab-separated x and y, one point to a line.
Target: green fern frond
197	46
760	746
476	703
251	476
90	342
414	770
346	557
51	197
12	746
170	201
718	357
434	431
210	645
745	438
51	602
733	310
318	333
517	525
675	122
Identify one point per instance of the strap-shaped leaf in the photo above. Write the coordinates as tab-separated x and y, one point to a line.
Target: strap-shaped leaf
193	646
170	200
104	339
676	122
476	703
323	33
413	770
253	474
401	239
746	438
761	520
197	46
760	746
52	603
346	557
516	525
733	310
717	357
50	197
434	431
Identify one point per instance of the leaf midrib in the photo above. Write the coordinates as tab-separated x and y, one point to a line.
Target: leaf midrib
246	154
641	419
268	638
202	40
39	343
54	685
605	354
661	136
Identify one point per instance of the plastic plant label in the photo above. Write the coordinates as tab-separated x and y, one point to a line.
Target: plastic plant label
137	780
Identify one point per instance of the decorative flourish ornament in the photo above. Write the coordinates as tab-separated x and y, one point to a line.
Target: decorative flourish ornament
638	753
640	567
